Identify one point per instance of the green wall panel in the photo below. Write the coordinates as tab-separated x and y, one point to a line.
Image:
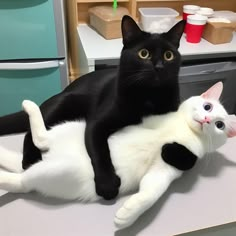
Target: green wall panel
27	29
36	85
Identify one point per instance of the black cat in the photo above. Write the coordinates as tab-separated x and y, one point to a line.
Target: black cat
146	82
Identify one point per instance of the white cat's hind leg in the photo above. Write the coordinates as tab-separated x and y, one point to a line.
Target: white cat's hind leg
12	182
37	126
60	179
10	160
54	179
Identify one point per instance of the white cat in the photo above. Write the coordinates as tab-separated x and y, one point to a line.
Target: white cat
147	157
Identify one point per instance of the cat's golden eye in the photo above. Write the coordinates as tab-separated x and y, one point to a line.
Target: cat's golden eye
144	54
169	55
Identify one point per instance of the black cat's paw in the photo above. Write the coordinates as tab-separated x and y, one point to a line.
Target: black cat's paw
107	185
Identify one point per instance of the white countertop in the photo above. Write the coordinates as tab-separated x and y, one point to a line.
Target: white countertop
203	197
97	47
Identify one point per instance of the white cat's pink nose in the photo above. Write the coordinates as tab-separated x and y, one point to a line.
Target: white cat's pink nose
207	120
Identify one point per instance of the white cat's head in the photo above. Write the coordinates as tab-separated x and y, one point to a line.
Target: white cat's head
206	116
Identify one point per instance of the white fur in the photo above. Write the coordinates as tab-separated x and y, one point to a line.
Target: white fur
66	170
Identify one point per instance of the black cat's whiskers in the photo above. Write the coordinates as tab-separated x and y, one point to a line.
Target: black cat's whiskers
139	77
133	71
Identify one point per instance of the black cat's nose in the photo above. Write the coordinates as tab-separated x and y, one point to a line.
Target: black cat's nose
159	65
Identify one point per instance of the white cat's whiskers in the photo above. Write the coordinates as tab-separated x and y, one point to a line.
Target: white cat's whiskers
230	125
209	148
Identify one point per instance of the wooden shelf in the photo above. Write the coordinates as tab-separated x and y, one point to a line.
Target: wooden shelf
162	0
99	1
77	12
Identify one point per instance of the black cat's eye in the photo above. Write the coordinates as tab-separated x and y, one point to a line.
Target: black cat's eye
220	125
144	54
207	106
169	55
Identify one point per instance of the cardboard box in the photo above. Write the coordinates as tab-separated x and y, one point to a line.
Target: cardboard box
107	21
218	32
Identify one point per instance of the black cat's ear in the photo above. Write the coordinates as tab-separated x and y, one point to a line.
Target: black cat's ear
130	30
175	33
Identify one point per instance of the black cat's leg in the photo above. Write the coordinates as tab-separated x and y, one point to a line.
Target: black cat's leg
106	181
178	156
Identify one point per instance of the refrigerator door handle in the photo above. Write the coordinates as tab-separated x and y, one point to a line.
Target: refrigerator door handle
29	65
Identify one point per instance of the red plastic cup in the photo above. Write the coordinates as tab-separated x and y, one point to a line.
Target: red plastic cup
189	10
194	28
185	15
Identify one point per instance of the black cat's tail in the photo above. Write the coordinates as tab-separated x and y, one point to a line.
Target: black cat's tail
14	123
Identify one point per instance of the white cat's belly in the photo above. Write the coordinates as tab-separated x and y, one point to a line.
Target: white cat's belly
68	149
130	159
133	151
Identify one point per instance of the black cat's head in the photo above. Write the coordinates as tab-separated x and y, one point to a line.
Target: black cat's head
149	59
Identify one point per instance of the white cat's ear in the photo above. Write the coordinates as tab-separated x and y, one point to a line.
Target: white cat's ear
232	126
214	92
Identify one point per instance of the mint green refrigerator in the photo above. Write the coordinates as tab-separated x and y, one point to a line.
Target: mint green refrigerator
33	63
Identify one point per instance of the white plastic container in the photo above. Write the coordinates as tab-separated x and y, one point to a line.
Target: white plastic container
190	9
161	17
205	11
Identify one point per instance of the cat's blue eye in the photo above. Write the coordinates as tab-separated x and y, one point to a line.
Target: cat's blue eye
207	106
144	54
220	125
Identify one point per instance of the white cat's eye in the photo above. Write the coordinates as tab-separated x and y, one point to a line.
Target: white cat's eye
207	106
144	54
220	125
169	55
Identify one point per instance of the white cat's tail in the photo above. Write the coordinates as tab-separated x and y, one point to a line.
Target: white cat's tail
37	126
11	160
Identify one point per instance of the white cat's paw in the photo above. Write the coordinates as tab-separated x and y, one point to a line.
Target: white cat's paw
29	107
127	214
125	217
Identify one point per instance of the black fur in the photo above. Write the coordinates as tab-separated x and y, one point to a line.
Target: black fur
178	156
112	99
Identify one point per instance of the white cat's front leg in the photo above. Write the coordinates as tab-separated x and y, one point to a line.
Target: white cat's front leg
152	186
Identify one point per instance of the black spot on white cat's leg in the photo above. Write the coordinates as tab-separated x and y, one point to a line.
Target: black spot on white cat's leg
178	156
31	154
